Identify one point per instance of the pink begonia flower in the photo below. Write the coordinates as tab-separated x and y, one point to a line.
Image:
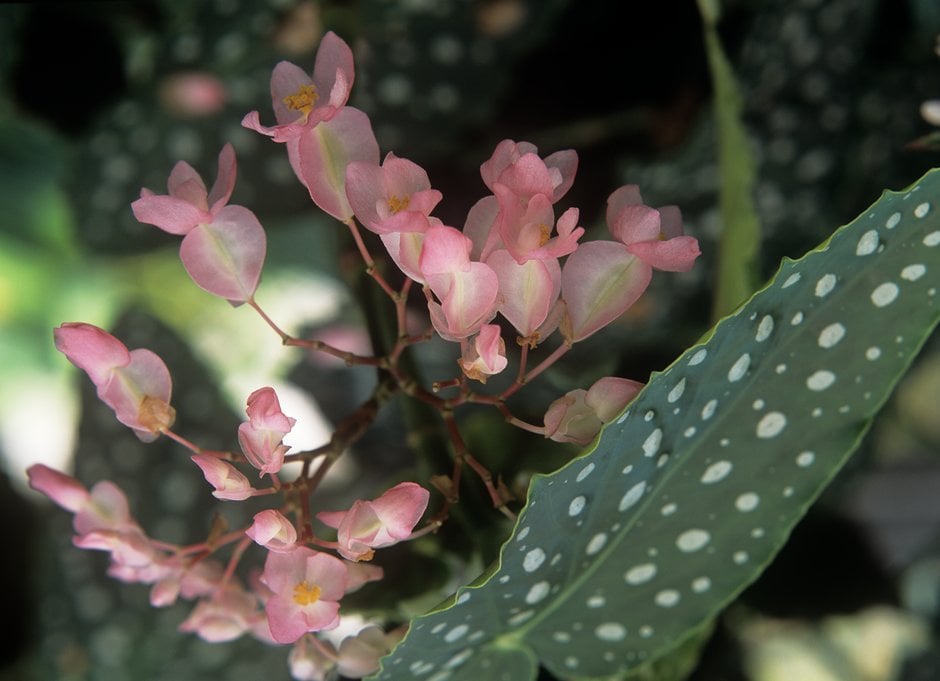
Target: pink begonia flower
653	235
486	356
466	289
519	168
273	531
128	547
321	155
527	292
224	246
300	101
578	416
225	616
261	436
393	197
306	587
525	227
135	384
230	483
599	282
375	524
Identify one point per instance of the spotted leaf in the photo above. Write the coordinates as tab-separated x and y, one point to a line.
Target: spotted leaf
622	554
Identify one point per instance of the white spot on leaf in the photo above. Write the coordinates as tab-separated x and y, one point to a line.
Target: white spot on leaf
692	540
831	335
922	210
632	495
640	574
533	560
676	392
709	409
820	380
824	286
698	357
771	425
739	368
576	506
805	459
913	272
747	502
764	329
610	631
868	244
716	472
792	279
667	598
885	294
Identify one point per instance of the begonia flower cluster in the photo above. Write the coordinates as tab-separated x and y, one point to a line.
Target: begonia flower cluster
520	261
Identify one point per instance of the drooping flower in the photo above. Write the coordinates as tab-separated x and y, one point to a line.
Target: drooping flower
384	521
230	483
273	531
578	415
135	383
306	587
527	291
223	246
224	616
262	435
486	355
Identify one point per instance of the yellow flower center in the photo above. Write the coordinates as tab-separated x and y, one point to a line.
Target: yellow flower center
396	204
303	100
545	233
306	594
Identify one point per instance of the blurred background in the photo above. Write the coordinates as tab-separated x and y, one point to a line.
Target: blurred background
99	99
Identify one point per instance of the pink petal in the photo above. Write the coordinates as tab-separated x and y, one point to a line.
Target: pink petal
445	251
170	214
224	180
225	257
636	223
405	249
599	282
63	489
333	70
527	177
132	391
627	195
323	153
566	164
91	349
186	184
478	227
527	292
674	255
287	79
401	507
610	395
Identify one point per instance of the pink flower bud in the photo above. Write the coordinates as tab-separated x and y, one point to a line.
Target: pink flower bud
486	356
273	531
63	489
261	437
578	416
230	484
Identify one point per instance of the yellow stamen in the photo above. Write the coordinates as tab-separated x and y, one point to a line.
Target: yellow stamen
303	100
306	594
396	204
545	233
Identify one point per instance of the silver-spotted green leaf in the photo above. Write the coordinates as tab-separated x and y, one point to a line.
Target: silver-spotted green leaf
622	554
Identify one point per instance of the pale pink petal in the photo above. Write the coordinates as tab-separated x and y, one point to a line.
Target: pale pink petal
286	80
404	248
225	257
107	510
186	184
170	214
139	393
445	251
673	255
224	180
479	227
527	292
527	177
636	223
230	484
273	531
565	164
401	507
91	349
570	419
610	395
333	70
324	152
63	489
627	195
486	356
599	282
